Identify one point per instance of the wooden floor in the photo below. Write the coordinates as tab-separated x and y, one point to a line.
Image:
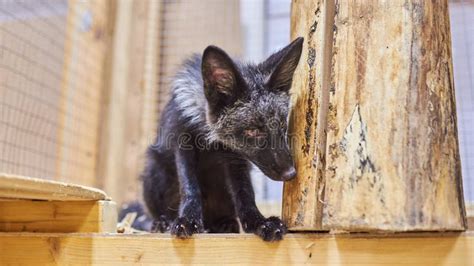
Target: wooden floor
44	222
115	249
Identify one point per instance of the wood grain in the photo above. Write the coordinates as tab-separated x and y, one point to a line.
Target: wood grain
302	201
19	187
58	216
320	249
86	47
392	158
130	104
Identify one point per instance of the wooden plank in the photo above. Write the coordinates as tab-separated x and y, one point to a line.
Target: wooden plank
393	159
19	187
140	110
130	109
149	114
113	128
86	47
321	249
302	201
58	216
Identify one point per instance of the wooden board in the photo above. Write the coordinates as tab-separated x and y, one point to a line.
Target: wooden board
321	249
393	158
19	187
303	196
141	122
113	126
130	108
86	46
58	216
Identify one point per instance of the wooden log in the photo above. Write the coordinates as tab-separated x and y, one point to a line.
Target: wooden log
297	249
19	187
392	158
302	201
58	216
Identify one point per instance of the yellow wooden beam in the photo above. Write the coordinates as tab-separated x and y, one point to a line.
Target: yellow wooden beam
362	249
58	216
303	196
20	187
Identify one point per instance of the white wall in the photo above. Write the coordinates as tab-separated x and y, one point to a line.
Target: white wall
462	34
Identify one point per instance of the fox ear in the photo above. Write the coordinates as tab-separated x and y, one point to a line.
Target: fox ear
222	80
288	58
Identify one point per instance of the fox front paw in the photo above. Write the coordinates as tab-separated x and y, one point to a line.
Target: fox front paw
271	229
184	227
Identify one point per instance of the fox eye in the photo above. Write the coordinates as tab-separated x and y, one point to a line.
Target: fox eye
253	133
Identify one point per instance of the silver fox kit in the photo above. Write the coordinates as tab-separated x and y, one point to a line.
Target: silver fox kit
222	116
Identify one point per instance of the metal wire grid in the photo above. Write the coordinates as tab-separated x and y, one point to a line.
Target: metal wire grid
187	27
48	102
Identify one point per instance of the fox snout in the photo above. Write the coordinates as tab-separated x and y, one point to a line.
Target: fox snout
284	165
285	173
288	174
277	165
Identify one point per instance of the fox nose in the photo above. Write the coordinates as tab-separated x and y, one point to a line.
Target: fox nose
289	174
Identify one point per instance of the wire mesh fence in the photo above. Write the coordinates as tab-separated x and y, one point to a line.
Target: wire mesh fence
188	26
51	61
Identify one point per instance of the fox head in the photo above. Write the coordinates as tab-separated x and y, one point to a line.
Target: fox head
248	105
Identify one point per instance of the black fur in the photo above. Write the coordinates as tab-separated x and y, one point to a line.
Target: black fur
222	115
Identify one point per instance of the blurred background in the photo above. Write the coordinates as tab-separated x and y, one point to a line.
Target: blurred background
83	82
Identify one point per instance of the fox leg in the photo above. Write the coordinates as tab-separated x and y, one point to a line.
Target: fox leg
269	229
160	190
190	219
